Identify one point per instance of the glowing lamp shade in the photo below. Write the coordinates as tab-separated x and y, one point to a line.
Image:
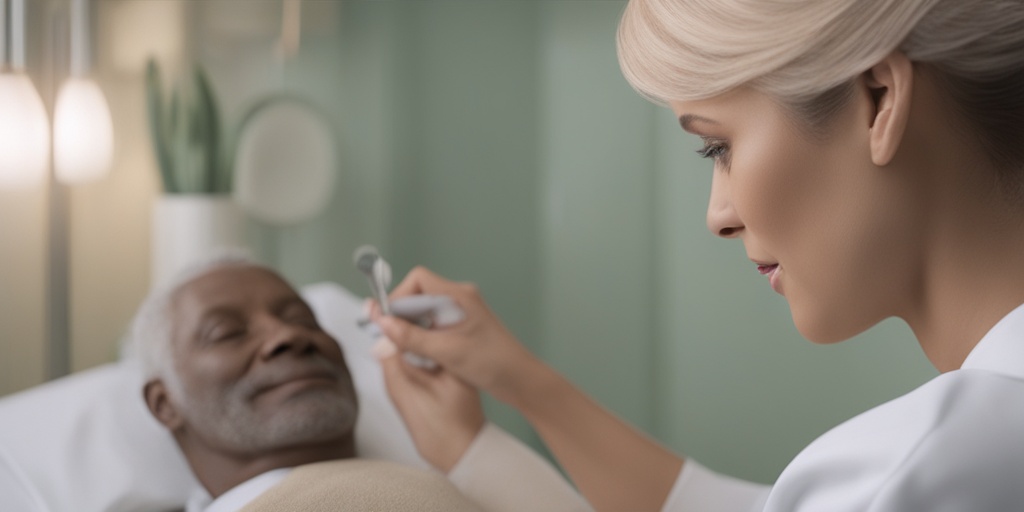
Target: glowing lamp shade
24	133
83	134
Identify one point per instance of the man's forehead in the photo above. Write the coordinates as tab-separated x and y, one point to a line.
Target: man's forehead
230	285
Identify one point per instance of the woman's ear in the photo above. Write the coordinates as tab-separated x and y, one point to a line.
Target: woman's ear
160	406
891	84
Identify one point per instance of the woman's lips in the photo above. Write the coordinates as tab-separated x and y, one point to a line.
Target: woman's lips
772	271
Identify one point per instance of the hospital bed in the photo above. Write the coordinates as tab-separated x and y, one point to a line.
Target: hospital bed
86	442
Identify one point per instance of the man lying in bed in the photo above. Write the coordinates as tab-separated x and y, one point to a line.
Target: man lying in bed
260	401
250	386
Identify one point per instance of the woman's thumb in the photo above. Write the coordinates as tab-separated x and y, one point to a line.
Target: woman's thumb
405	335
396	382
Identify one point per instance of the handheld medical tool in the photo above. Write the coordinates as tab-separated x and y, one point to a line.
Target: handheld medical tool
427	311
377	271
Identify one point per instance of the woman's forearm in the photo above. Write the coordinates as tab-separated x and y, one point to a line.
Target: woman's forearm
615	466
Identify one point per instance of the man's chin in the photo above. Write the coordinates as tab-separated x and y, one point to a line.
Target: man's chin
310	416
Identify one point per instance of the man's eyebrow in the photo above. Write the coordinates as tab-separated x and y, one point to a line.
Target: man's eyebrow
687	120
286	302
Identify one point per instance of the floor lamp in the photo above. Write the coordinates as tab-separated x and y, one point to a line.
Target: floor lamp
25	157
83	146
81	149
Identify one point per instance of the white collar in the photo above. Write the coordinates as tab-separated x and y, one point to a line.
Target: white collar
1001	350
239	495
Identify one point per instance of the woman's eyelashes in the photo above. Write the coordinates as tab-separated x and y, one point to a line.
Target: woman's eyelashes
716	149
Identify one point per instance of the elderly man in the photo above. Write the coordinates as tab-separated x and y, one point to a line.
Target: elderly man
260	401
250	386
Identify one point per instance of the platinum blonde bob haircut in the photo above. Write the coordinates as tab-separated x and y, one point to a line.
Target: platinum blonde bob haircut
807	54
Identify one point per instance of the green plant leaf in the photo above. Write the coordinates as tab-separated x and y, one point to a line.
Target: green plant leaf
186	134
158	126
209	128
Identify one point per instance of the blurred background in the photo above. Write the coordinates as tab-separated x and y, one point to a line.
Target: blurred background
491	140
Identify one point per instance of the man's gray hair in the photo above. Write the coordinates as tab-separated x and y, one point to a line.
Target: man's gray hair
149	337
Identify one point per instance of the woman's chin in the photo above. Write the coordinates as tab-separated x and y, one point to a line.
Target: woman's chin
826	327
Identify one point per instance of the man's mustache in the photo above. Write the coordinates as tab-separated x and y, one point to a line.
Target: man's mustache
283	371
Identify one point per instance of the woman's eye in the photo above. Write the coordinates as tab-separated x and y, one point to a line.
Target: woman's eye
713	149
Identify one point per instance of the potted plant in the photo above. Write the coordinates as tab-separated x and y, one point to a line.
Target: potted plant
195	215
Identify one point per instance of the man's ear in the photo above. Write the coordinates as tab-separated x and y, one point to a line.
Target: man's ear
159	403
891	84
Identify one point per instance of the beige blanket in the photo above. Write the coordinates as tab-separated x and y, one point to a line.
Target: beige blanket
361	485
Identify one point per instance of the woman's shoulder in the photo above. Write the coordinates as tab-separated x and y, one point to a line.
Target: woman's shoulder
958	432
953	403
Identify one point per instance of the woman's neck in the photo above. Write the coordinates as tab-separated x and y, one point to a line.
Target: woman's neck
972	276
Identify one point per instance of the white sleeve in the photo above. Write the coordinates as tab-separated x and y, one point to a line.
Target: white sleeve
17	492
698	489
501	474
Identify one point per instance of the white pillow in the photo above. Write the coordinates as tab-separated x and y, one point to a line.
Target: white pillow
87	442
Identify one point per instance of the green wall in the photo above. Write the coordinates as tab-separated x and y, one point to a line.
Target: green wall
495	141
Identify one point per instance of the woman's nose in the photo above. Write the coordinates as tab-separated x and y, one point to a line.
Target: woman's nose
722	218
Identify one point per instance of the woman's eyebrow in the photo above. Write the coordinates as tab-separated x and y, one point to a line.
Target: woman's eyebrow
687	120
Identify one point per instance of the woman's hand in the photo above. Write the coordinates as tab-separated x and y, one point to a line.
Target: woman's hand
442	413
479	349
614	465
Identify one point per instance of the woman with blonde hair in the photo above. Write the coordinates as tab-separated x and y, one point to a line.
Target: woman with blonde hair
869	155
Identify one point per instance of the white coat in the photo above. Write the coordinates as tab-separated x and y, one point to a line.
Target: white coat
955	444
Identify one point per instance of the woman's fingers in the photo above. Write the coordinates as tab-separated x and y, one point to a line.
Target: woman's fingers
394	381
477	349
408	337
442	413
422	281
399	377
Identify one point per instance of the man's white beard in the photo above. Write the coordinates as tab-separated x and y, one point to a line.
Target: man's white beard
312	416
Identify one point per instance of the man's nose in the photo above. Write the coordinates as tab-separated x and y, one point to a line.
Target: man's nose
283	338
722	218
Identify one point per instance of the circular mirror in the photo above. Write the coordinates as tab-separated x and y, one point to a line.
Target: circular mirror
285	162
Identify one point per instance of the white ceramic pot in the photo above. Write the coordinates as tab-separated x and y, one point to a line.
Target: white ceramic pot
188	228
